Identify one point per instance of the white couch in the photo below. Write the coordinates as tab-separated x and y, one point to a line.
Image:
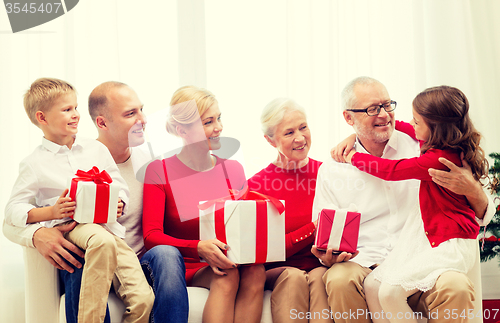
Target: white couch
45	304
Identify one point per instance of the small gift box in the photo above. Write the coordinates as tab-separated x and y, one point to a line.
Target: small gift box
95	195
338	230
254	230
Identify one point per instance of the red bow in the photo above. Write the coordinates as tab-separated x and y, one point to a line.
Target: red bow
93	175
245	195
261	224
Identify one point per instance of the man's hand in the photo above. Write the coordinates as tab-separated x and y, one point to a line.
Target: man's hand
119	212
460	181
210	251
52	245
328	258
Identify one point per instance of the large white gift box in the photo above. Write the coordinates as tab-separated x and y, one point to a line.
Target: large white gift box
254	230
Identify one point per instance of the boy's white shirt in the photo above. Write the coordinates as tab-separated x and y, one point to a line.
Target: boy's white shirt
44	174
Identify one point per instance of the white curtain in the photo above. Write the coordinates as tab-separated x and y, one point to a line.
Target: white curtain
247	53
309	50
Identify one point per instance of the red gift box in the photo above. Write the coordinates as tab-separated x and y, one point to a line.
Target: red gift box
253	226
338	230
95	195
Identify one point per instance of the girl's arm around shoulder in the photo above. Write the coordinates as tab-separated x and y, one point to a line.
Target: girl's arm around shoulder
406	128
402	169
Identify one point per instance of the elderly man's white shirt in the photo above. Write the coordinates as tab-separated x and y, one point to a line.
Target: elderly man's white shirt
384	205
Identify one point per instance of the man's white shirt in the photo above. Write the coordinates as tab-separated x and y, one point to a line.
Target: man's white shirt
384	205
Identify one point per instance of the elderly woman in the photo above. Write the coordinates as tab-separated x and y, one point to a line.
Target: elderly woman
173	188
297	282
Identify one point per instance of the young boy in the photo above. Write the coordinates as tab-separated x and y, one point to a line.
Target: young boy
43	177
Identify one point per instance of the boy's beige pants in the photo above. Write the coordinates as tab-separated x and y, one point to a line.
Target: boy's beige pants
108	259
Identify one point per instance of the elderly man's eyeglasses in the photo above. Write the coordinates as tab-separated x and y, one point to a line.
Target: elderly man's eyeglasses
374	110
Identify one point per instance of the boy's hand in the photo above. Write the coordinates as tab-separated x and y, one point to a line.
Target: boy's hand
64	207
119	212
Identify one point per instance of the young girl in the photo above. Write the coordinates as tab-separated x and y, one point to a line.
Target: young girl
441	234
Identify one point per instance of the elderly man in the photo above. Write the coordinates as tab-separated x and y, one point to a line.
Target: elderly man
384	207
117	113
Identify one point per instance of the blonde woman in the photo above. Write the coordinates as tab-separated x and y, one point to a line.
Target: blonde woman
174	186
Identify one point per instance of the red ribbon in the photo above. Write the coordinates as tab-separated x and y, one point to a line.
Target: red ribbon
261	218
490	239
245	195
220	230
261	233
102	181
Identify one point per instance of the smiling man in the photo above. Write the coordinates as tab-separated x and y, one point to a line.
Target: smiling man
384	208
117	113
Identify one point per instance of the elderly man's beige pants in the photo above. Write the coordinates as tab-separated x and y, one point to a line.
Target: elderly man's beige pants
344	285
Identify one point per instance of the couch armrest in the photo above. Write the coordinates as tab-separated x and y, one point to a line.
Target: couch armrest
41	288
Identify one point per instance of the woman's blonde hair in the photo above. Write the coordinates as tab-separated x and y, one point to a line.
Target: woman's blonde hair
274	112
187	105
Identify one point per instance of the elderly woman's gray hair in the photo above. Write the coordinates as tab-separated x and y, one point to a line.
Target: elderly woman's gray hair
274	112
348	97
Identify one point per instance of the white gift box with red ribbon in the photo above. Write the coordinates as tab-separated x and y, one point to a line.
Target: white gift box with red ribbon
254	230
95	195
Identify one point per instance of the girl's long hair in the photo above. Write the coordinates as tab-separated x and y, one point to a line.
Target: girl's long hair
445	110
